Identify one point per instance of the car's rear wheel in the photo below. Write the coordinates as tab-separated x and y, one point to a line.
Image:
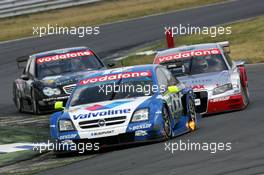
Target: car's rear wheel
167	123
18	101
245	95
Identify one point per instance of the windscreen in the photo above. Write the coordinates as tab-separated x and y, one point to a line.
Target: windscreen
192	64
65	63
123	88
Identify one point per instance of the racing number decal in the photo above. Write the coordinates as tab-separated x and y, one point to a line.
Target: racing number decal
174	103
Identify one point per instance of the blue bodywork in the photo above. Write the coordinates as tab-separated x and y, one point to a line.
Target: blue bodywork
146	130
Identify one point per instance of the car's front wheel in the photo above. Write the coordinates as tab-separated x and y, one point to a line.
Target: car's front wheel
35	107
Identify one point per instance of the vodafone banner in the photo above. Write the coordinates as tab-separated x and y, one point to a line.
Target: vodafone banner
186	55
115	77
64	56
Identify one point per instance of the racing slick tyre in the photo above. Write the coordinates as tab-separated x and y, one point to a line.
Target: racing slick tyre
245	95
192	114
34	104
167	123
18	101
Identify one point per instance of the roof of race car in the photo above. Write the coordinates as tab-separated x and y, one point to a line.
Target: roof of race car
59	51
137	68
187	48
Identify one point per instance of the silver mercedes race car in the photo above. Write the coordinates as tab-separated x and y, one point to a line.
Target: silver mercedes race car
219	83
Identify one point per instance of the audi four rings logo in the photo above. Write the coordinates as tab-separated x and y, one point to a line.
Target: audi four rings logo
101	123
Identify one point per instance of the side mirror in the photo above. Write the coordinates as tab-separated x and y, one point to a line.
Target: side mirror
24	77
111	64
22	62
173	89
58	105
239	63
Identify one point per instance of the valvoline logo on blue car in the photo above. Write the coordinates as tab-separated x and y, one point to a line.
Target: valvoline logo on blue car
130	116
103	110
102	113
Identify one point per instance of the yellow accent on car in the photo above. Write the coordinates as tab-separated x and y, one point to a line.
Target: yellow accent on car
59	105
173	89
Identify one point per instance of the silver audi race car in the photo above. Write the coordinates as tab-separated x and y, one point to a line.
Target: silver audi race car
219	83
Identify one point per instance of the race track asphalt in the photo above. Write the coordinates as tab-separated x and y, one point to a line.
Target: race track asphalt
244	129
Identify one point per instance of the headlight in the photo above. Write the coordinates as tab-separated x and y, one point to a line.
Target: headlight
140	115
66	125
51	91
222	89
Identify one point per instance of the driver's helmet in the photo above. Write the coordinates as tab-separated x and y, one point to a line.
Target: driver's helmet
202	63
77	64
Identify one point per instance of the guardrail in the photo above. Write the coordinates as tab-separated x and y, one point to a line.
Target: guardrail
10	8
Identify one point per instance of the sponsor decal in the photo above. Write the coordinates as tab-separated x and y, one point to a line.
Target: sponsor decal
197	102
102	113
109	106
63	56
198	87
69	136
158	112
116	77
187	54
220	99
141	133
201	81
141	126
99	133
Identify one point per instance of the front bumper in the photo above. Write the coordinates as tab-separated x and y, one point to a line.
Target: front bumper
226	103
47	104
134	133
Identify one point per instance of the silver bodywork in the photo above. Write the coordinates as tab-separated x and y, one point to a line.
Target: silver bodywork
205	83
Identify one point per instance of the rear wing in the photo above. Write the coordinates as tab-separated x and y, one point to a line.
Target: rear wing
226	46
22	62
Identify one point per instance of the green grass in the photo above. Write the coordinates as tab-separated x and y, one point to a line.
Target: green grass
91	14
10	158
246	43
42	163
20	134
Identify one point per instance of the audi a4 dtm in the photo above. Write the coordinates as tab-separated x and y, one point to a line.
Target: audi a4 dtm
219	83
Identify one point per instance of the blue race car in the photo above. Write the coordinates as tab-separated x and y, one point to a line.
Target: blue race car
125	105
